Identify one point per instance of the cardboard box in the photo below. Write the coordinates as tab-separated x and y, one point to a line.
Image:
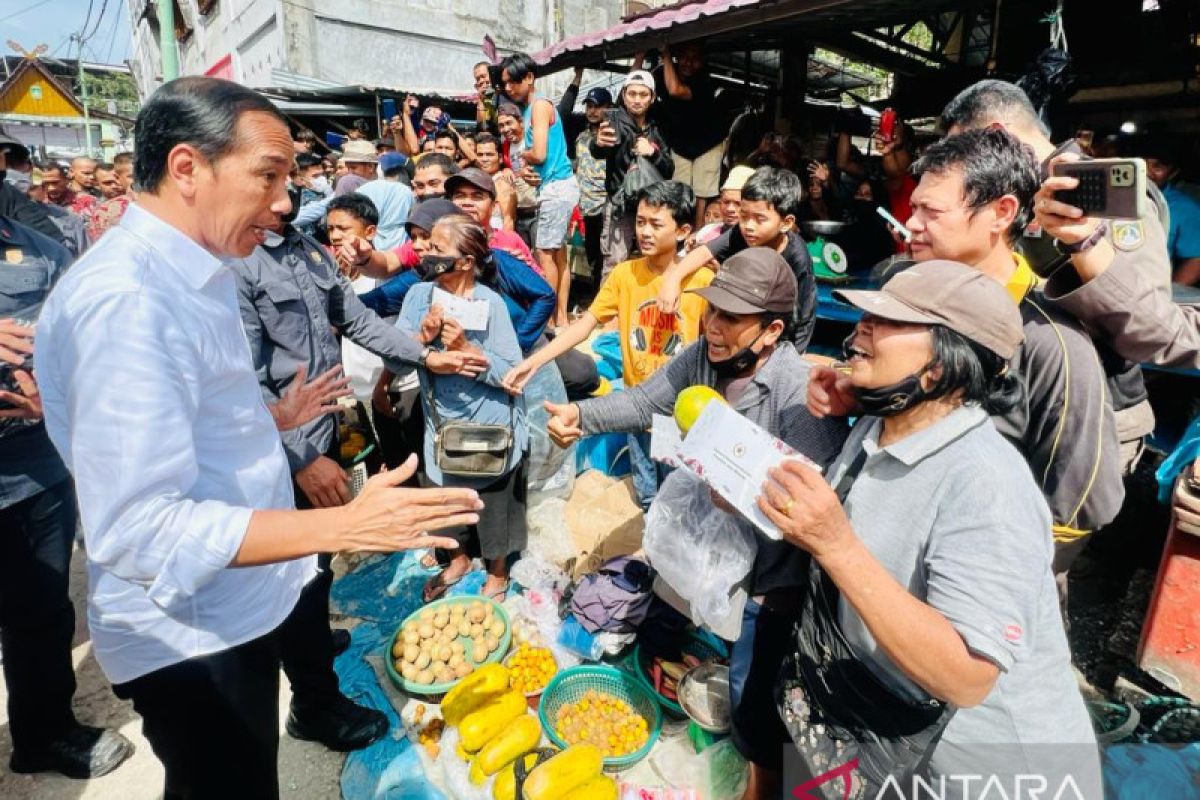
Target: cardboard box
605	521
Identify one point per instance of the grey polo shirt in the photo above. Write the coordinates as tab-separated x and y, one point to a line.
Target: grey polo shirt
294	303
954	515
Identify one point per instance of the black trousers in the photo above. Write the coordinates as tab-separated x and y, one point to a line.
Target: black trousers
37	619
593	228
213	721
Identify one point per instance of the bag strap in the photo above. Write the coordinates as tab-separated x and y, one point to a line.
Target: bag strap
437	418
850	475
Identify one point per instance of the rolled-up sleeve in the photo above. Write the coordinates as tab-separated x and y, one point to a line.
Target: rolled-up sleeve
132	449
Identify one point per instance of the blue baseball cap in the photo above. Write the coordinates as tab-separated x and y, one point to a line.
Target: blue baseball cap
391	161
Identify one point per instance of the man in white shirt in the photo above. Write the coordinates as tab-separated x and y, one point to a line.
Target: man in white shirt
196	556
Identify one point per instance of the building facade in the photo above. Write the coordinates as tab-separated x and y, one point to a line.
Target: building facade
424	46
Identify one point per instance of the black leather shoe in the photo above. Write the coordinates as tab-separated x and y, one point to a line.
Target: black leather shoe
83	752
341	640
340	725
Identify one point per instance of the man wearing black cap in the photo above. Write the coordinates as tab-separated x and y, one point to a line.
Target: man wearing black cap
745	355
474	191
590	172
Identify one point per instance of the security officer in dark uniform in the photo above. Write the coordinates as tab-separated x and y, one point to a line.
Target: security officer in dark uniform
37	532
14	204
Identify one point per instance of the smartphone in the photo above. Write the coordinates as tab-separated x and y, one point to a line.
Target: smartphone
887	125
388	106
895	223
1112	188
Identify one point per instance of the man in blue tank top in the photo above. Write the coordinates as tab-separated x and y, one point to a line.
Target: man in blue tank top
549	168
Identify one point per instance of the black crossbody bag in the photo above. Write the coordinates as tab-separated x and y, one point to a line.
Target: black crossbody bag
838	711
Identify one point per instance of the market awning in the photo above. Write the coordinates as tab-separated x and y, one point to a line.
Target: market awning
731	25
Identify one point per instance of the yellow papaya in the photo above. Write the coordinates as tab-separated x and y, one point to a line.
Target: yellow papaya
572	767
600	787
505	787
476	775
484	684
518	738
488	721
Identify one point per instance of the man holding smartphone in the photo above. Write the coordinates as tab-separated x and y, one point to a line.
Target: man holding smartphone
1138	245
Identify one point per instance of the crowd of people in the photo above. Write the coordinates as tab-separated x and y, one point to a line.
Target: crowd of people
993	382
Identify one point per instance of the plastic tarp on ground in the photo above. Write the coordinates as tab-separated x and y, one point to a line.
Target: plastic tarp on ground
381	593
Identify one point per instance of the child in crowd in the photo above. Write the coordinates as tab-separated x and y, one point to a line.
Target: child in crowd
649	337
769	204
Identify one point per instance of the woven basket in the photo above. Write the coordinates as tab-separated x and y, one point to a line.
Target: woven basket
570	685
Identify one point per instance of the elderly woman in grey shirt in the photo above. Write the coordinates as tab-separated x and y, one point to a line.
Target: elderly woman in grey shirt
939	553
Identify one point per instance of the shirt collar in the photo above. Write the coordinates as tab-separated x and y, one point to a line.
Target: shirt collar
1021	283
191	262
913	449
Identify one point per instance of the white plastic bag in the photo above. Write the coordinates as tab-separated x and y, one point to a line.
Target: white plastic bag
551	469
702	553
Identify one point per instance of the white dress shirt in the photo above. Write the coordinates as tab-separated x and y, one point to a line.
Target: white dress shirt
151	398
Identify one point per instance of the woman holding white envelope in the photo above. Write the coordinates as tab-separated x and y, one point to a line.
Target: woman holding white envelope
930	536
745	355
475	433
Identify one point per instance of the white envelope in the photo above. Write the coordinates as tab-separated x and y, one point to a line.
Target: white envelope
471	314
732	455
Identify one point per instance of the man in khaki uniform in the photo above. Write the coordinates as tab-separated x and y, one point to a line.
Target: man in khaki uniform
1141	242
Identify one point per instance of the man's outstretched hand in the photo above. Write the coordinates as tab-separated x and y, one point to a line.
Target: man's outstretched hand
307	400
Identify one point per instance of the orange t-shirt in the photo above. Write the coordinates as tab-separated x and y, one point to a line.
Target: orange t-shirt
649	338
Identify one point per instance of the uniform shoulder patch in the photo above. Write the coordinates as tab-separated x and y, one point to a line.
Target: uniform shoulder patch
1128	235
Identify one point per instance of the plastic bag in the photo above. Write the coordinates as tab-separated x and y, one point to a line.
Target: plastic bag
700	551
549	541
551	469
640	175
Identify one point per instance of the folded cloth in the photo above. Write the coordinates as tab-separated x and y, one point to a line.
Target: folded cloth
615	598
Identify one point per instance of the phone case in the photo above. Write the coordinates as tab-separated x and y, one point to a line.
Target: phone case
1112	188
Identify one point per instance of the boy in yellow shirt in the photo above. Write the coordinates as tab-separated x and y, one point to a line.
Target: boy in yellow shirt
649	337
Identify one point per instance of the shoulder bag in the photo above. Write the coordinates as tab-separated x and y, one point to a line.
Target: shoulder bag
470	449
855	735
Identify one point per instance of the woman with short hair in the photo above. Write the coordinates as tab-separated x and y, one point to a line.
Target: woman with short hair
936	563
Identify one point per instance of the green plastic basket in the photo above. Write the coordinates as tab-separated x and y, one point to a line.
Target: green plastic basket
570	685
695	645
496	655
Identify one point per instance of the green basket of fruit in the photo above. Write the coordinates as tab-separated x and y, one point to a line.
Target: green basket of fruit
440	644
661	675
604	706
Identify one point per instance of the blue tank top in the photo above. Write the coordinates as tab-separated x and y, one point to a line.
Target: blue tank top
557	166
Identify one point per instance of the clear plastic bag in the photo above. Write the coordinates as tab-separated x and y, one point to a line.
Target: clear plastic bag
551	469
702	553
549	537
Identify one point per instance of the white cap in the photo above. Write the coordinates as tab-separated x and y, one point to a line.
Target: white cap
640	77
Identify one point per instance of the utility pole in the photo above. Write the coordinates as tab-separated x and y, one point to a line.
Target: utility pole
165	10
83	96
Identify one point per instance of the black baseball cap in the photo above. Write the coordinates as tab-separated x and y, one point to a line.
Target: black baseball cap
426	213
755	281
474	176
598	96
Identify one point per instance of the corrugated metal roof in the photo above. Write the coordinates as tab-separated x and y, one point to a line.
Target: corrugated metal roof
656	20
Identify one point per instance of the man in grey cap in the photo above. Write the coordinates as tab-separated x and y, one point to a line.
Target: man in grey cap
746	356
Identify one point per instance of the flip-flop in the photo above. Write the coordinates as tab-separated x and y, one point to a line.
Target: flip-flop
437	586
498	594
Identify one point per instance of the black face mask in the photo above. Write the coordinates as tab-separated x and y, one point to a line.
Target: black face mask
738	363
433	267
885	401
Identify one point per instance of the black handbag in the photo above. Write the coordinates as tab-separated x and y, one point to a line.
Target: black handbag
855	735
470	449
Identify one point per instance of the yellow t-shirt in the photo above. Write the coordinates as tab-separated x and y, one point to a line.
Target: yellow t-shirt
648	338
